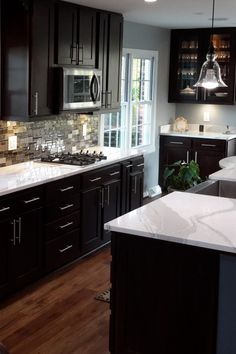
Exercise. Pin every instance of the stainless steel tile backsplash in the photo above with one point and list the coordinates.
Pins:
(62, 133)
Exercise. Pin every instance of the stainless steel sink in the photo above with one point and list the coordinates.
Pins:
(225, 189)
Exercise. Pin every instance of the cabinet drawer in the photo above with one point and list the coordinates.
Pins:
(209, 144)
(92, 179)
(60, 226)
(61, 189)
(62, 208)
(176, 141)
(111, 172)
(7, 207)
(29, 200)
(137, 164)
(61, 250)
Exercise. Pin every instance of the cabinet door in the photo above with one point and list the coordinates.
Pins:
(111, 205)
(102, 57)
(115, 40)
(87, 37)
(5, 239)
(136, 190)
(90, 219)
(26, 249)
(66, 42)
(42, 33)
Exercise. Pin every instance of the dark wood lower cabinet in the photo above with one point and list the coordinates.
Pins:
(164, 297)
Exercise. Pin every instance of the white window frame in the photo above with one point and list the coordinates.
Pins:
(126, 122)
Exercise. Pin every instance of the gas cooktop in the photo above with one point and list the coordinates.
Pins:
(78, 159)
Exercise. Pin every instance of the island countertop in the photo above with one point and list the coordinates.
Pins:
(187, 218)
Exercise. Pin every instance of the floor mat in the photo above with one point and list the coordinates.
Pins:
(103, 296)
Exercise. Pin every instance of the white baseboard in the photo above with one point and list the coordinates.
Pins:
(154, 191)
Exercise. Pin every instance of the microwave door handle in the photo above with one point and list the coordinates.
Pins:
(92, 89)
(98, 87)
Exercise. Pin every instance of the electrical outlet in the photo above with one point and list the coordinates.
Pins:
(206, 116)
(12, 142)
(84, 130)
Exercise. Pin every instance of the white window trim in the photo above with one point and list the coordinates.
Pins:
(144, 54)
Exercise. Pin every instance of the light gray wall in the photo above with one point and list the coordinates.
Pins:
(137, 36)
(219, 114)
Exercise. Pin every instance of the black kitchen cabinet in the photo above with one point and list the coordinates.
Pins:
(110, 41)
(206, 152)
(21, 239)
(62, 222)
(188, 52)
(132, 184)
(100, 202)
(27, 32)
(75, 42)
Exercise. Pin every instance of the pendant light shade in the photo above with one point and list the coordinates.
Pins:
(210, 75)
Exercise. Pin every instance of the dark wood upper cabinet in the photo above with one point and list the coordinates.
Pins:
(76, 35)
(110, 39)
(188, 52)
(27, 32)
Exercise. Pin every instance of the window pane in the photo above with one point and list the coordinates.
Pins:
(106, 121)
(135, 108)
(113, 120)
(133, 137)
(135, 90)
(136, 69)
(106, 139)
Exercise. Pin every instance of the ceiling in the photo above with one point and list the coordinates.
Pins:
(170, 13)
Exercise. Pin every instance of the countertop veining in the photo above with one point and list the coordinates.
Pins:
(191, 219)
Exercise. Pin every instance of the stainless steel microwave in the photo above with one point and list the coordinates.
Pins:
(81, 89)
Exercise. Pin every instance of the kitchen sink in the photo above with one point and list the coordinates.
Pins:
(225, 189)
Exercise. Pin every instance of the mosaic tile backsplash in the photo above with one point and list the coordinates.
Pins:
(62, 133)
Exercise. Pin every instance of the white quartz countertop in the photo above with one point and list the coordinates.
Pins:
(204, 135)
(228, 174)
(228, 162)
(29, 174)
(191, 219)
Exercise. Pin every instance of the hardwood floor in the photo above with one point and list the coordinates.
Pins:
(58, 314)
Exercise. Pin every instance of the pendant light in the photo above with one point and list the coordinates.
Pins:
(210, 75)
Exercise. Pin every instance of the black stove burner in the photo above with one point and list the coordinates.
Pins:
(78, 159)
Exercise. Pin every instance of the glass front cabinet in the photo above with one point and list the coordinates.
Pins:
(188, 52)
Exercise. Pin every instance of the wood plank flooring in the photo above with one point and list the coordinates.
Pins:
(58, 314)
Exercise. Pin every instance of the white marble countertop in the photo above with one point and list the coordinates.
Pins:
(228, 174)
(228, 162)
(29, 174)
(191, 219)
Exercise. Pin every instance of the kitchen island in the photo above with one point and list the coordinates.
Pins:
(173, 277)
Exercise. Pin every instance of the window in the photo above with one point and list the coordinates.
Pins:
(133, 127)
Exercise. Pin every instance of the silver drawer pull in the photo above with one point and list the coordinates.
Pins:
(65, 249)
(95, 179)
(66, 225)
(140, 165)
(114, 173)
(66, 189)
(5, 209)
(67, 207)
(209, 145)
(31, 200)
(176, 142)
(128, 166)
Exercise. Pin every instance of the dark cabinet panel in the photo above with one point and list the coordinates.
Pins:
(91, 218)
(188, 52)
(136, 185)
(76, 35)
(110, 56)
(28, 36)
(5, 239)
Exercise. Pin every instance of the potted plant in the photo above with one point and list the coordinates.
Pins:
(181, 175)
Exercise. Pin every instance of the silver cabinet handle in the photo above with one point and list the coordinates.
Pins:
(102, 198)
(65, 249)
(14, 232)
(195, 156)
(209, 145)
(128, 166)
(135, 184)
(36, 103)
(31, 200)
(95, 179)
(66, 189)
(67, 207)
(109, 93)
(4, 209)
(176, 142)
(19, 230)
(140, 165)
(187, 156)
(114, 173)
(66, 225)
(108, 195)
